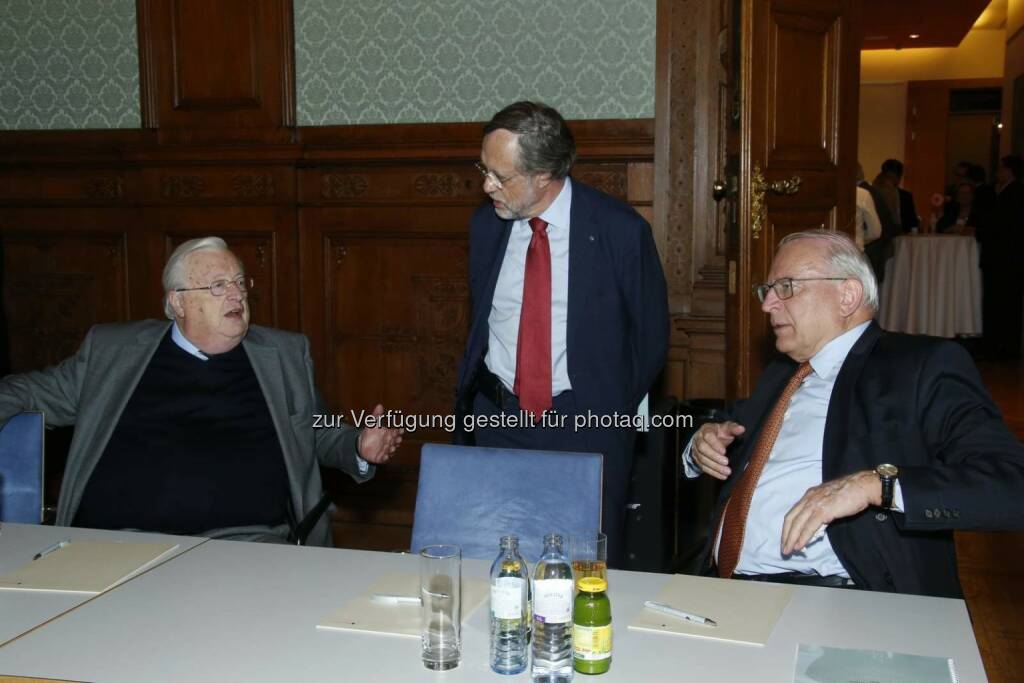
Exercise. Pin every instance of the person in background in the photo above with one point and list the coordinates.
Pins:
(892, 173)
(869, 226)
(199, 425)
(960, 216)
(879, 251)
(860, 451)
(984, 194)
(1001, 239)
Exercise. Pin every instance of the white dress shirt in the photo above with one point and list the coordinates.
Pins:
(793, 466)
(503, 320)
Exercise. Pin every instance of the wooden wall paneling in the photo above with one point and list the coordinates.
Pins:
(924, 160)
(217, 70)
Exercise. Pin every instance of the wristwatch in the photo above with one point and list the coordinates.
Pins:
(887, 474)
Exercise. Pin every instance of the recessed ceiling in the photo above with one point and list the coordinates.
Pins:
(888, 24)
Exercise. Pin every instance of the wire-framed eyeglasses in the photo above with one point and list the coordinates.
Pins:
(784, 286)
(495, 179)
(220, 287)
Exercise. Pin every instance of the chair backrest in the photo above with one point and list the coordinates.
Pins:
(473, 496)
(21, 469)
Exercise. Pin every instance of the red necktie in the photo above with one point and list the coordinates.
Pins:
(533, 352)
(738, 506)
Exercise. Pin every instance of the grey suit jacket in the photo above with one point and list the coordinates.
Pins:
(90, 390)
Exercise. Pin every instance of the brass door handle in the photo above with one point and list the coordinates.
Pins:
(758, 207)
(718, 190)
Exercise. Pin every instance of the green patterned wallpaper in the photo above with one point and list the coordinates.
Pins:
(68, 64)
(405, 61)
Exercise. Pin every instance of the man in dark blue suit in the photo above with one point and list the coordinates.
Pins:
(569, 306)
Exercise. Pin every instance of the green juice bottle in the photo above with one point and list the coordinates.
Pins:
(592, 627)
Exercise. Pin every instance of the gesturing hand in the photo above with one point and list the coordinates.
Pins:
(709, 445)
(378, 444)
(828, 501)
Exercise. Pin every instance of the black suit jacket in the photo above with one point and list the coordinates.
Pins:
(617, 329)
(918, 403)
(908, 212)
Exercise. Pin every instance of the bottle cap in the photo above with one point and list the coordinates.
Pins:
(592, 584)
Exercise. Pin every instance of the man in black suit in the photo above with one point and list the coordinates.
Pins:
(1001, 238)
(892, 170)
(888, 442)
(569, 305)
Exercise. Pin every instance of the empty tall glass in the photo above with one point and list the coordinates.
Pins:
(441, 606)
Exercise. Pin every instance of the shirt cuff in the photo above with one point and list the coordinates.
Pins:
(897, 497)
(363, 466)
(690, 468)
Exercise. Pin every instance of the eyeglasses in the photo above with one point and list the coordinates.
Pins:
(220, 287)
(784, 286)
(495, 179)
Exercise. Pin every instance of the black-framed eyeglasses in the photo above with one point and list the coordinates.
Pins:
(495, 179)
(220, 287)
(784, 286)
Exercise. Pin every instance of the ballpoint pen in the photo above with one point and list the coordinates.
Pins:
(53, 548)
(395, 599)
(672, 611)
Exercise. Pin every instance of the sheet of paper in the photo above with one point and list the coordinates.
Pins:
(817, 664)
(746, 611)
(86, 566)
(365, 614)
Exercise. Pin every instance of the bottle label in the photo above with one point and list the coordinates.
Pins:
(507, 597)
(552, 601)
(591, 643)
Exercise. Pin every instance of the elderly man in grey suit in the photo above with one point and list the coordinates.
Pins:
(204, 425)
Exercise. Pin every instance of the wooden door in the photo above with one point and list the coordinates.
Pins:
(792, 150)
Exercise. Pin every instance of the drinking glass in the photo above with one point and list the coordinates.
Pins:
(589, 554)
(441, 606)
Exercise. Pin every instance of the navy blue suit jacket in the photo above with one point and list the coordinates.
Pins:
(617, 328)
(916, 402)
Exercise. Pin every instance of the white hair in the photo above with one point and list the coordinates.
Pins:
(174, 276)
(846, 260)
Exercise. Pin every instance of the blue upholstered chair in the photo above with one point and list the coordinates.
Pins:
(21, 469)
(472, 496)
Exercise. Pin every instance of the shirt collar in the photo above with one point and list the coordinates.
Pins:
(557, 214)
(178, 338)
(827, 361)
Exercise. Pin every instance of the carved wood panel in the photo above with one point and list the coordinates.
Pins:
(56, 286)
(803, 66)
(217, 70)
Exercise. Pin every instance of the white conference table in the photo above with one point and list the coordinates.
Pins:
(226, 611)
(932, 286)
(21, 611)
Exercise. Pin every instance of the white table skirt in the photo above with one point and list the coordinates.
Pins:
(932, 286)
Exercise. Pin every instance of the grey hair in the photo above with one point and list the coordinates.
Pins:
(546, 144)
(174, 271)
(846, 260)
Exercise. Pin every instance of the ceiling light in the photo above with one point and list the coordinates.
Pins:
(915, 36)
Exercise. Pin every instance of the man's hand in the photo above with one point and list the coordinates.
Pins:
(378, 444)
(830, 500)
(709, 444)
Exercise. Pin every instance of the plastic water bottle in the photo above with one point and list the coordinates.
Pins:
(510, 580)
(552, 615)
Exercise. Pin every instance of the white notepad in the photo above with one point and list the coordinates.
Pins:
(363, 613)
(86, 566)
(746, 611)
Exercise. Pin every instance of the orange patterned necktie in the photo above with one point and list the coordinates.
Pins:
(738, 506)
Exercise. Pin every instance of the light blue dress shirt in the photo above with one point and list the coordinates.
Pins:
(503, 320)
(793, 466)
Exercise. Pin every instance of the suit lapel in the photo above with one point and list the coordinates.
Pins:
(483, 306)
(582, 239)
(837, 422)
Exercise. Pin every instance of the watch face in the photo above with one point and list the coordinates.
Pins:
(887, 470)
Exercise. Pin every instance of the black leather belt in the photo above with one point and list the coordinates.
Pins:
(796, 578)
(488, 384)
